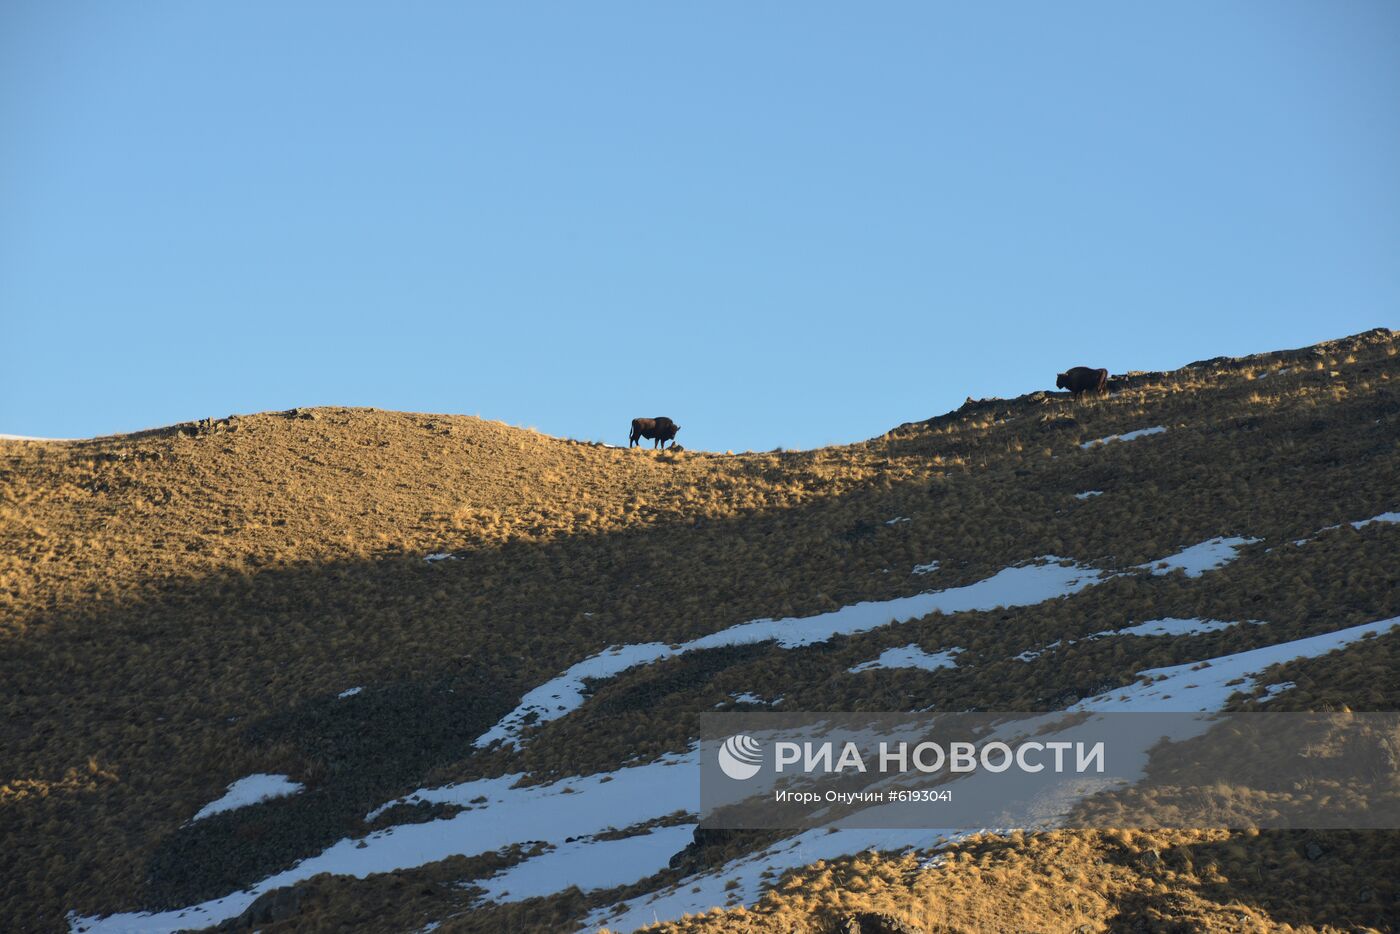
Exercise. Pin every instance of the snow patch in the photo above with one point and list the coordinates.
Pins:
(1030, 655)
(925, 568)
(1128, 436)
(1088, 493)
(589, 864)
(441, 556)
(564, 693)
(250, 790)
(1020, 585)
(910, 656)
(1196, 560)
(349, 692)
(1274, 690)
(497, 816)
(747, 697)
(1169, 626)
(1188, 688)
(1385, 517)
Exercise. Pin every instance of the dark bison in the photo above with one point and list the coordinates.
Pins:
(1081, 379)
(659, 430)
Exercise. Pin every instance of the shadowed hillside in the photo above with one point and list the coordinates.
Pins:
(185, 607)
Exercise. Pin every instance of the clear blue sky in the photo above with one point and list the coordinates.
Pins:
(779, 223)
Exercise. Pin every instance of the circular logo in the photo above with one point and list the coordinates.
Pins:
(740, 757)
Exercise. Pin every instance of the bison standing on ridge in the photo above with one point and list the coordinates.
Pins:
(660, 430)
(1081, 379)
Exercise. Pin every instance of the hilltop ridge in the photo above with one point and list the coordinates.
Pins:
(185, 606)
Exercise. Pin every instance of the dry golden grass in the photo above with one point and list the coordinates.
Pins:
(1092, 881)
(179, 608)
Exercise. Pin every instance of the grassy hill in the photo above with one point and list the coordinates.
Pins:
(184, 607)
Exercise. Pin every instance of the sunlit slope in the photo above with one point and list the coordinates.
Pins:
(185, 607)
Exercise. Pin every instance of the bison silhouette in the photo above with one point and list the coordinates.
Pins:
(658, 430)
(1081, 379)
